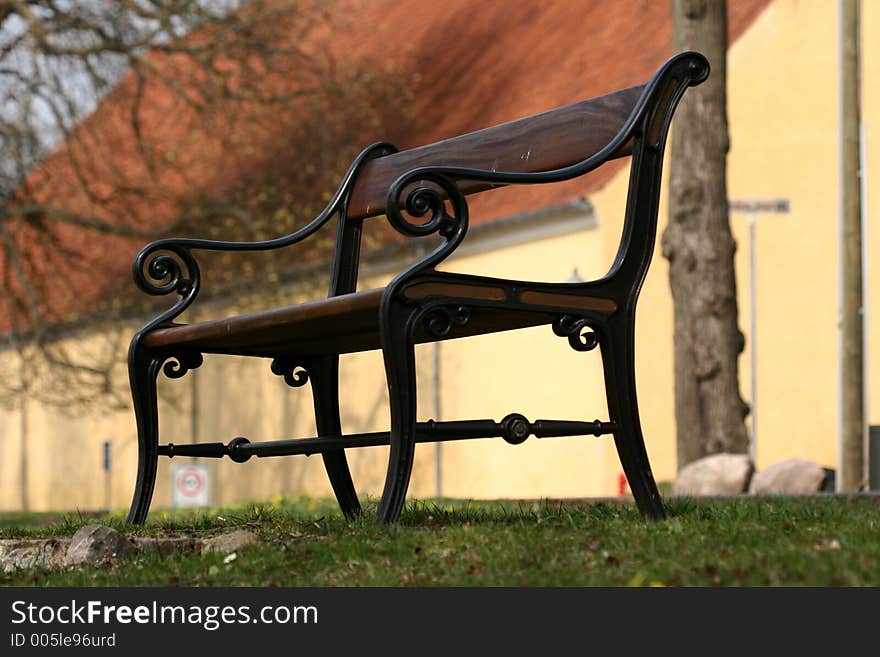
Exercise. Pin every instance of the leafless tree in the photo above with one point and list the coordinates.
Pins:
(124, 120)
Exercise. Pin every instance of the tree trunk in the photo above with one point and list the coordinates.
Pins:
(709, 411)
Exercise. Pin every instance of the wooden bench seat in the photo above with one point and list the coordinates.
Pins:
(350, 322)
(422, 192)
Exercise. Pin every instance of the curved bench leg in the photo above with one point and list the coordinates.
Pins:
(618, 360)
(143, 368)
(399, 354)
(324, 374)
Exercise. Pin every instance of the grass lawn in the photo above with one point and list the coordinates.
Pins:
(815, 541)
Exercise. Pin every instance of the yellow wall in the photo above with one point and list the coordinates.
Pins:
(871, 122)
(532, 372)
(797, 260)
(783, 112)
(785, 119)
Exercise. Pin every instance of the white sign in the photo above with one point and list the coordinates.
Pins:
(759, 205)
(190, 485)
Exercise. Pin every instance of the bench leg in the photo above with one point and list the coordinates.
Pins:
(143, 368)
(618, 360)
(324, 375)
(399, 354)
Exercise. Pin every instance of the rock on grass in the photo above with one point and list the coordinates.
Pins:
(230, 542)
(48, 553)
(718, 474)
(96, 544)
(789, 477)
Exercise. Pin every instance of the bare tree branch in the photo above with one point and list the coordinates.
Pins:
(122, 120)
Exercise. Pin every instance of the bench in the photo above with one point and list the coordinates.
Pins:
(422, 192)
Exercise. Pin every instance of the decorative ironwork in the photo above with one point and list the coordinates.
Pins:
(179, 364)
(440, 321)
(171, 268)
(233, 451)
(578, 331)
(513, 428)
(168, 265)
(423, 200)
(294, 370)
(208, 450)
(432, 191)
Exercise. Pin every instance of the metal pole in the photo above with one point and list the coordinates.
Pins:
(23, 462)
(438, 447)
(753, 336)
(866, 379)
(193, 408)
(106, 467)
(752, 209)
(852, 474)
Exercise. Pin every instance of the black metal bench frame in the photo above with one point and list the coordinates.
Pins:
(422, 304)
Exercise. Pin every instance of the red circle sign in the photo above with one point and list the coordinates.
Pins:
(190, 482)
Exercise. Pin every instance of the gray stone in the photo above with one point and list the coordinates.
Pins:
(165, 546)
(718, 474)
(93, 544)
(42, 553)
(229, 542)
(96, 544)
(789, 477)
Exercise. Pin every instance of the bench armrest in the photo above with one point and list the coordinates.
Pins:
(168, 265)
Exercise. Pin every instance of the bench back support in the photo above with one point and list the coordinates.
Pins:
(571, 141)
(543, 142)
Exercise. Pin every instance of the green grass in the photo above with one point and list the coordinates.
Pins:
(816, 541)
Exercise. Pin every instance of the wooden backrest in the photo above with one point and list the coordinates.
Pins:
(556, 145)
(542, 142)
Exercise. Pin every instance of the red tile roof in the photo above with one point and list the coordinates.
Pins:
(473, 64)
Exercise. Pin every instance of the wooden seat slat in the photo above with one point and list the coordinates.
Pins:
(347, 314)
(344, 324)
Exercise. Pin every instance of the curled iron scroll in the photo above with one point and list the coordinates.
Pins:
(179, 364)
(578, 331)
(294, 371)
